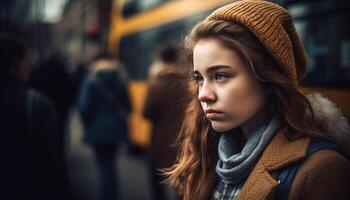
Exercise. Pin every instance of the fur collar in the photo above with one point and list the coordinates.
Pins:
(330, 119)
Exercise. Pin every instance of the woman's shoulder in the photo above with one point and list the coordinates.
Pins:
(324, 175)
(327, 158)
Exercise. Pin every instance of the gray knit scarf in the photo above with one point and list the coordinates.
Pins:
(233, 167)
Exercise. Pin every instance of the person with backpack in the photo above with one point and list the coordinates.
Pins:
(249, 132)
(30, 149)
(104, 106)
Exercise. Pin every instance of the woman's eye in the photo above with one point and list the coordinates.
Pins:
(220, 76)
(197, 78)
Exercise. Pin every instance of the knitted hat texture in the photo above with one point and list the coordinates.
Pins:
(273, 26)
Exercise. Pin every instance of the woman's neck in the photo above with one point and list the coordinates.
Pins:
(261, 118)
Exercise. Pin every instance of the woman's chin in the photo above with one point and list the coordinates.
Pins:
(221, 128)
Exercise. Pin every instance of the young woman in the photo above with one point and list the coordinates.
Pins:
(248, 120)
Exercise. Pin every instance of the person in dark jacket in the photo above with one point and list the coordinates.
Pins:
(52, 79)
(164, 106)
(104, 106)
(29, 150)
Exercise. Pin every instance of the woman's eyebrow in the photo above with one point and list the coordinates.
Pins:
(217, 67)
(212, 69)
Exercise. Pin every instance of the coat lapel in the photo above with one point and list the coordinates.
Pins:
(279, 153)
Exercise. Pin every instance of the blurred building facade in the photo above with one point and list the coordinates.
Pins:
(82, 31)
(78, 28)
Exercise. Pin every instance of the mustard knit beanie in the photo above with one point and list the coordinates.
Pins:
(273, 26)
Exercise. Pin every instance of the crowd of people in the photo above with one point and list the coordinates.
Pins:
(35, 106)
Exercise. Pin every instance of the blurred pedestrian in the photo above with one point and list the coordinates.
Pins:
(164, 106)
(249, 133)
(51, 78)
(30, 150)
(104, 106)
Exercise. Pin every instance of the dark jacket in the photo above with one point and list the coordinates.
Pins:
(51, 79)
(30, 150)
(104, 105)
(165, 106)
(323, 176)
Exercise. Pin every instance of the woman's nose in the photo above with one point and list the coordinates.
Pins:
(206, 93)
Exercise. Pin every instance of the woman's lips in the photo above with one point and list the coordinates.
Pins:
(214, 115)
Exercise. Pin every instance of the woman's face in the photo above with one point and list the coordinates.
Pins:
(229, 94)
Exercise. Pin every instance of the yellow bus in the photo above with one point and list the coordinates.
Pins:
(138, 28)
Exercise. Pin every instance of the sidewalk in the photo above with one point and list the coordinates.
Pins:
(132, 171)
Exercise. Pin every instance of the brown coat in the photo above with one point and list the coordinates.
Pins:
(164, 107)
(324, 176)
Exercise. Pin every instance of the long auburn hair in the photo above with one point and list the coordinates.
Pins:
(198, 141)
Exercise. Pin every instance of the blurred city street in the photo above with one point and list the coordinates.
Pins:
(127, 72)
(132, 171)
